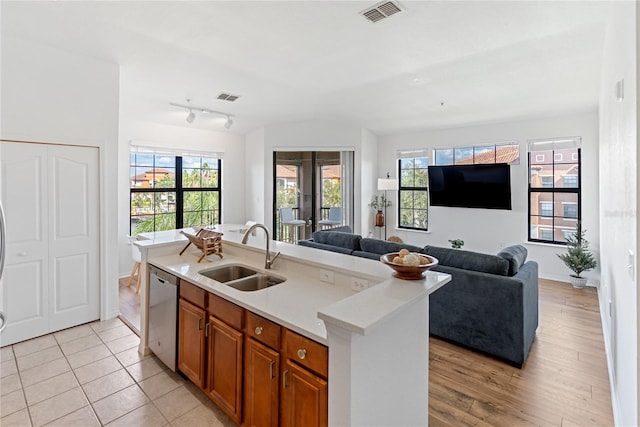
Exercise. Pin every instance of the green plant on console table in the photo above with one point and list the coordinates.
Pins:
(578, 257)
(379, 203)
(456, 243)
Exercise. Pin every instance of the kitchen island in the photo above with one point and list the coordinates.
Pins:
(377, 337)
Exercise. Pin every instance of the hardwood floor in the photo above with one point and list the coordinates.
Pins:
(129, 304)
(564, 382)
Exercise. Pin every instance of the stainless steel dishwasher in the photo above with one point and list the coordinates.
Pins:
(163, 306)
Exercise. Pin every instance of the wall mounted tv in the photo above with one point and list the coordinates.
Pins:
(485, 186)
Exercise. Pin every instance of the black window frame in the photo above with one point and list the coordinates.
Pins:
(553, 190)
(179, 189)
(413, 188)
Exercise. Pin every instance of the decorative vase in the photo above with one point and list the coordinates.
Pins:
(577, 282)
(379, 219)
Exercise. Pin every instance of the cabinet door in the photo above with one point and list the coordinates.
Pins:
(224, 384)
(191, 342)
(261, 369)
(304, 398)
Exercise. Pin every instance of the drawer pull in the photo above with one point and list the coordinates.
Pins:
(302, 353)
(259, 330)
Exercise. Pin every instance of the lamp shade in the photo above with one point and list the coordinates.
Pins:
(387, 184)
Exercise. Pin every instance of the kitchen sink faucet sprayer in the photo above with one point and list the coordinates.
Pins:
(268, 261)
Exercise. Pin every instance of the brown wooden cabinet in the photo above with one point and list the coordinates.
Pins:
(224, 380)
(261, 392)
(191, 342)
(305, 394)
(304, 397)
(257, 372)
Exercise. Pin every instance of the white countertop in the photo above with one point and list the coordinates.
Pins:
(302, 303)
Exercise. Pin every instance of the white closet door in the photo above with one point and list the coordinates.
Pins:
(73, 236)
(50, 197)
(25, 282)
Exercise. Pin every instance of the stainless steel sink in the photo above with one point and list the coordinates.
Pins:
(242, 278)
(228, 273)
(255, 283)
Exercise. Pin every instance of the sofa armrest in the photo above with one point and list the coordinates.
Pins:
(491, 313)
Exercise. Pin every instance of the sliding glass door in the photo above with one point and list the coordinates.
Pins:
(312, 190)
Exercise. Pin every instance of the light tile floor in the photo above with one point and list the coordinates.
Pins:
(93, 375)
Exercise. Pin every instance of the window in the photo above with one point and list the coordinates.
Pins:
(546, 209)
(413, 193)
(554, 189)
(546, 181)
(570, 181)
(169, 191)
(496, 153)
(546, 234)
(570, 210)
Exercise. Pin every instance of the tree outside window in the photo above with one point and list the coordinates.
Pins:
(413, 193)
(169, 192)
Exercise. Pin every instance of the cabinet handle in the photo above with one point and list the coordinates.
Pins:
(302, 353)
(271, 365)
(284, 378)
(200, 324)
(206, 329)
(259, 330)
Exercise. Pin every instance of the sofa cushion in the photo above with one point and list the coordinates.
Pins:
(337, 238)
(368, 255)
(381, 247)
(468, 260)
(516, 255)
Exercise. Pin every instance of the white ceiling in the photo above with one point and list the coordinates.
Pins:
(437, 64)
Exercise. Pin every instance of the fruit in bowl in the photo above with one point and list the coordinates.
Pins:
(407, 265)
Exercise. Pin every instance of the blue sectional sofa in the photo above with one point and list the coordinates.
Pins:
(490, 305)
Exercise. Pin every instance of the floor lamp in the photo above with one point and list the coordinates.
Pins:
(385, 184)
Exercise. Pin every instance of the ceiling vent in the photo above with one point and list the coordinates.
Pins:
(381, 11)
(226, 97)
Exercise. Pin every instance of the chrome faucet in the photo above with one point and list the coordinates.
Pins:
(268, 261)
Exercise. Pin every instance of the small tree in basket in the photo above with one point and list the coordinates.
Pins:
(578, 257)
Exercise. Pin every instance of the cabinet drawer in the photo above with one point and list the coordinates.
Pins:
(263, 330)
(306, 352)
(226, 311)
(193, 293)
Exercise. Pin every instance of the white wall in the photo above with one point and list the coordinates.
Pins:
(53, 96)
(166, 136)
(488, 230)
(309, 136)
(618, 210)
(369, 171)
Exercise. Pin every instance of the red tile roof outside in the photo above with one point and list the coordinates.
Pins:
(505, 154)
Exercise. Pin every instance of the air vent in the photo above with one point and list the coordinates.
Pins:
(381, 11)
(227, 97)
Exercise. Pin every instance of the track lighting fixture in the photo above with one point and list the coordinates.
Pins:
(192, 115)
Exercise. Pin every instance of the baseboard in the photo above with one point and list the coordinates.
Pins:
(565, 279)
(617, 415)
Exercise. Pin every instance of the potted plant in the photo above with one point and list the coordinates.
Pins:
(456, 243)
(379, 203)
(578, 257)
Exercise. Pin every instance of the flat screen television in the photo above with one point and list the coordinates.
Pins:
(486, 186)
